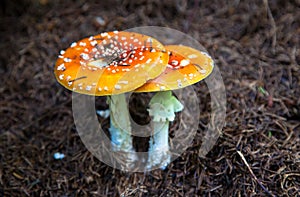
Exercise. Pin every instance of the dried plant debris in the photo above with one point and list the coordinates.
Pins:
(256, 47)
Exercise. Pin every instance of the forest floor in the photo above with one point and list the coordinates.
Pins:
(255, 45)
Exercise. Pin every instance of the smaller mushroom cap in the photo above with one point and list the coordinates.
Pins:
(110, 63)
(186, 66)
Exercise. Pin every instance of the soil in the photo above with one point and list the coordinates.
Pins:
(256, 46)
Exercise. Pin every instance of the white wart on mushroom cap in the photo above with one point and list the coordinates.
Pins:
(110, 63)
(186, 66)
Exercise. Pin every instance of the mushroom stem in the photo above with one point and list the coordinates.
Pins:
(158, 154)
(163, 106)
(120, 127)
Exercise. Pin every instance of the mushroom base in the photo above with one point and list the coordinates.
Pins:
(158, 154)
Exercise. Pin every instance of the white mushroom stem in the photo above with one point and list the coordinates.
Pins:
(120, 127)
(163, 106)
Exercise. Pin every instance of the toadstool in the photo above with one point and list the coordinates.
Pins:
(186, 66)
(111, 64)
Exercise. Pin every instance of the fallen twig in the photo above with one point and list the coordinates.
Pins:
(255, 178)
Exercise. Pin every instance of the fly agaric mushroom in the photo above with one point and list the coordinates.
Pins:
(111, 64)
(186, 66)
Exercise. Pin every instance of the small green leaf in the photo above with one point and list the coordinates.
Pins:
(263, 91)
(270, 134)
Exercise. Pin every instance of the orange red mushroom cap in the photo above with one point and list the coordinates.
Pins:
(186, 66)
(118, 62)
(110, 63)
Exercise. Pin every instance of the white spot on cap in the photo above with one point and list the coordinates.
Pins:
(203, 71)
(62, 52)
(192, 56)
(184, 62)
(148, 61)
(105, 88)
(68, 78)
(174, 62)
(85, 56)
(206, 54)
(82, 63)
(61, 77)
(169, 66)
(117, 87)
(162, 87)
(67, 59)
(61, 67)
(124, 55)
(99, 89)
(100, 63)
(83, 44)
(93, 43)
(191, 75)
(179, 83)
(123, 82)
(88, 88)
(104, 34)
(74, 44)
